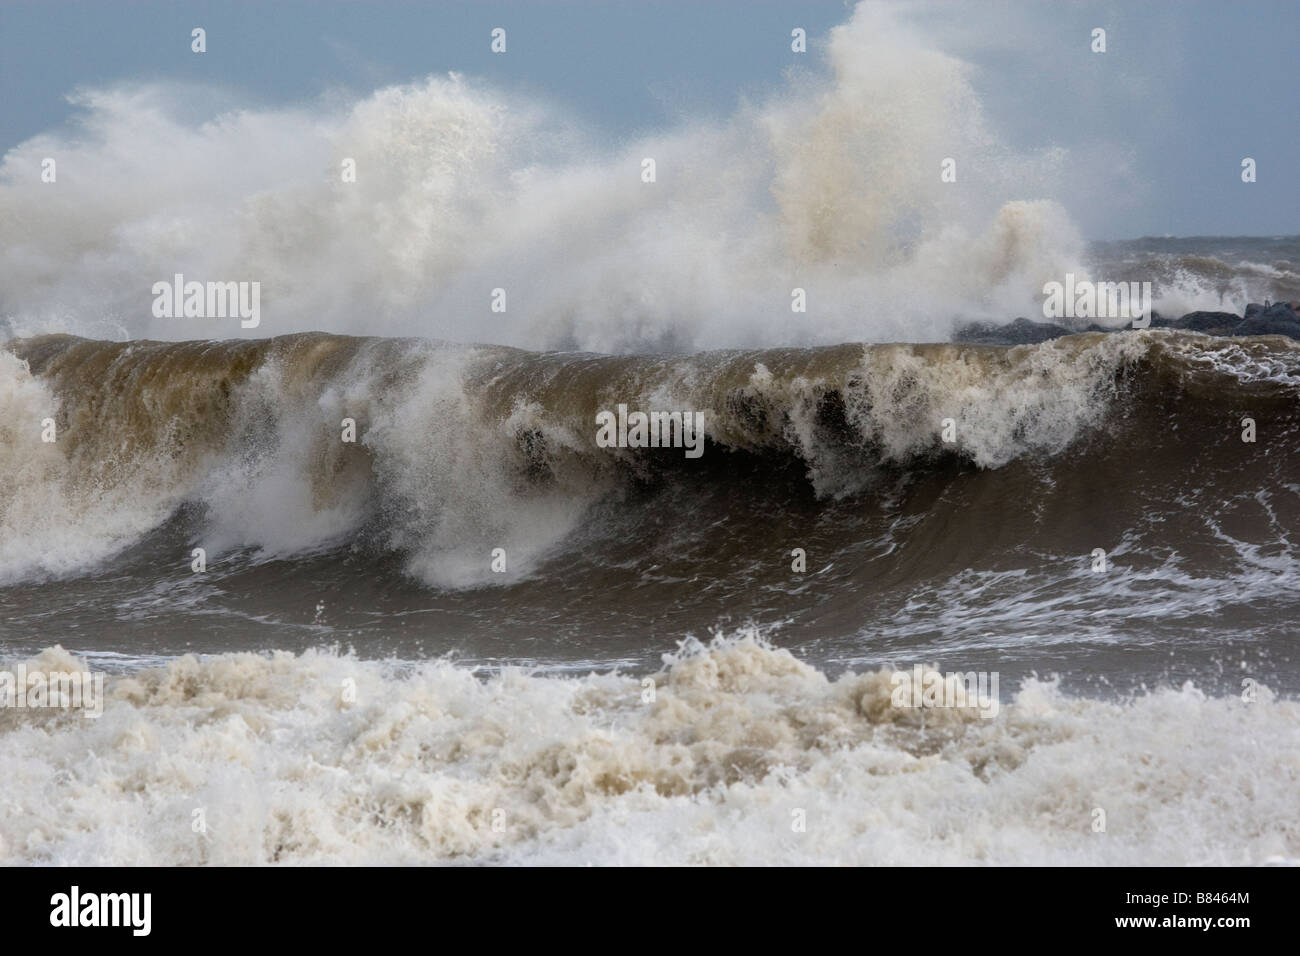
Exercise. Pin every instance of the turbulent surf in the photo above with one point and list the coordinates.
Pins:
(380, 568)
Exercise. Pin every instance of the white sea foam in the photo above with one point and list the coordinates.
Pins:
(582, 770)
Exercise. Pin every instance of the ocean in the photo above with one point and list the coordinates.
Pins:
(521, 690)
(366, 589)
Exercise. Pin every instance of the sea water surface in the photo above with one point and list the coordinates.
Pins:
(675, 660)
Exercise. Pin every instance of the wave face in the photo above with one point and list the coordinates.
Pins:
(1127, 442)
(465, 449)
(433, 764)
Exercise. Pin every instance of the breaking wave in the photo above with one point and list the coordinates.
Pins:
(462, 450)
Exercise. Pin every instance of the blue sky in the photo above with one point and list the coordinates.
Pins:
(1162, 119)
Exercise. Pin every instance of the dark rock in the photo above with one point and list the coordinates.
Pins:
(1214, 323)
(1020, 332)
(1278, 319)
